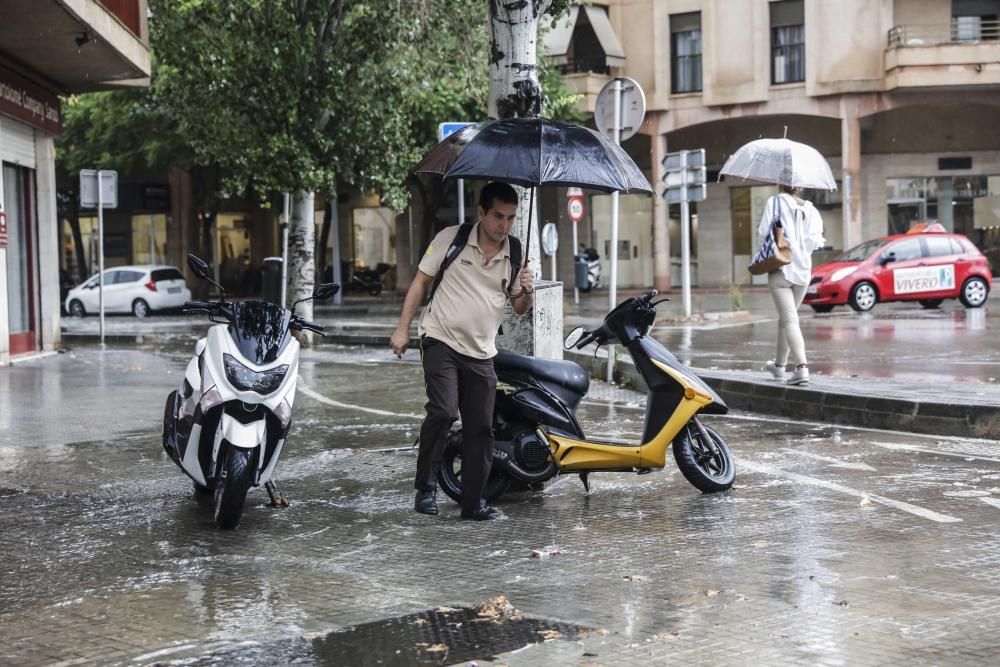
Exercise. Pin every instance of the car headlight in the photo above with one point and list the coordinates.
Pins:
(840, 274)
(246, 379)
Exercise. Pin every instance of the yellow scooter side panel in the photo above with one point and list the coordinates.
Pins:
(572, 454)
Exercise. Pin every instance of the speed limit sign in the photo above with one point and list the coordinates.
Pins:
(575, 209)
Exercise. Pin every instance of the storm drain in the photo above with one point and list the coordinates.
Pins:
(444, 636)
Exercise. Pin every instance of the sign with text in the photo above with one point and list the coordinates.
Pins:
(924, 279)
(574, 207)
(29, 102)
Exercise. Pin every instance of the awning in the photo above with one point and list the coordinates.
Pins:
(557, 40)
(606, 36)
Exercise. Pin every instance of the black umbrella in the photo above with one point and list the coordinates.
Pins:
(534, 151)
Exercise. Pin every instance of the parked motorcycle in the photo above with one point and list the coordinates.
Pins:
(538, 435)
(592, 259)
(226, 424)
(368, 280)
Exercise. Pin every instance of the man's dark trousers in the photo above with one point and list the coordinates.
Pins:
(457, 384)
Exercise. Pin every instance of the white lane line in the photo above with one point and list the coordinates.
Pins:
(991, 501)
(834, 463)
(912, 448)
(812, 481)
(337, 404)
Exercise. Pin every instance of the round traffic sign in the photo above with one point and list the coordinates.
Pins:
(574, 207)
(550, 239)
(632, 110)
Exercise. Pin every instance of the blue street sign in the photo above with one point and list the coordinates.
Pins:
(446, 129)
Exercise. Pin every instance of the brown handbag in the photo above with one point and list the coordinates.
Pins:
(775, 252)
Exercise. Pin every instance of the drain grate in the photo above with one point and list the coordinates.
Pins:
(443, 636)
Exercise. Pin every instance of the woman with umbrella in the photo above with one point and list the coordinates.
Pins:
(790, 230)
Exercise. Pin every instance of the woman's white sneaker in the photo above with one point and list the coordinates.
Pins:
(799, 376)
(777, 372)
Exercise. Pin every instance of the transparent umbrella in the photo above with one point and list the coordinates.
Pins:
(780, 162)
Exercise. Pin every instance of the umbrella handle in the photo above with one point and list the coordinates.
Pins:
(527, 245)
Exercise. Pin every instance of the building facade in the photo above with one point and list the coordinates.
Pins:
(49, 48)
(898, 95)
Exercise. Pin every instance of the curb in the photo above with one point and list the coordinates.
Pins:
(813, 404)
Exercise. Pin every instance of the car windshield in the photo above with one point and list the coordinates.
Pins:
(860, 253)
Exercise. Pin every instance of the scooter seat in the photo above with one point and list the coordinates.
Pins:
(567, 375)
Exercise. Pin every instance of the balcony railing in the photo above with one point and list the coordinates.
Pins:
(962, 30)
(126, 11)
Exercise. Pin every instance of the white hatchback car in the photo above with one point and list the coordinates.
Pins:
(135, 289)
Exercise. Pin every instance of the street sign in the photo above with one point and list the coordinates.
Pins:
(675, 179)
(447, 129)
(550, 239)
(88, 188)
(695, 158)
(632, 108)
(574, 207)
(574, 192)
(694, 193)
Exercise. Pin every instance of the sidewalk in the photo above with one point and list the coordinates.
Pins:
(898, 367)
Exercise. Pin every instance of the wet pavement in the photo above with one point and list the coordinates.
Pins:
(836, 546)
(933, 371)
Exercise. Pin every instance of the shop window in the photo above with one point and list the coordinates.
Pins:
(788, 42)
(685, 53)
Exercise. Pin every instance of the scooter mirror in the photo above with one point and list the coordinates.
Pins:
(198, 266)
(326, 290)
(573, 338)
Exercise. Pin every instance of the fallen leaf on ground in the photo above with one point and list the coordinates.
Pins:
(633, 577)
(667, 634)
(550, 634)
(498, 609)
(709, 592)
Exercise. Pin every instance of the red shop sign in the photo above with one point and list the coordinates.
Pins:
(3, 229)
(29, 102)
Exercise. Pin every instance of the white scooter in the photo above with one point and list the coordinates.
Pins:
(226, 424)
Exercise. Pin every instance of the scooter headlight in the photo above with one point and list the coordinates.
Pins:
(246, 379)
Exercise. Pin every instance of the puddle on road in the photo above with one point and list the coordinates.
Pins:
(443, 636)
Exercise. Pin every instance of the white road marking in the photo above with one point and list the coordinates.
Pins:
(912, 448)
(991, 501)
(833, 486)
(337, 404)
(834, 463)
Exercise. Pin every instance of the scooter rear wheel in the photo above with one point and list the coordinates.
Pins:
(231, 490)
(450, 473)
(707, 470)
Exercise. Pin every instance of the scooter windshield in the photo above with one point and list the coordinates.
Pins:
(260, 330)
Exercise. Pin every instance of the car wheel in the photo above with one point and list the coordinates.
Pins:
(140, 308)
(930, 303)
(822, 307)
(863, 297)
(974, 293)
(76, 308)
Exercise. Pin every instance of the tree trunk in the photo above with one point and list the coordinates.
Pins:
(514, 91)
(301, 264)
(324, 240)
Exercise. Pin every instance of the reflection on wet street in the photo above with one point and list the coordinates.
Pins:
(836, 546)
(904, 341)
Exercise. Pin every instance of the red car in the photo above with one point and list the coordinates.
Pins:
(926, 268)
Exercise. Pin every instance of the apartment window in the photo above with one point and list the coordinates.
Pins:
(685, 53)
(788, 42)
(974, 20)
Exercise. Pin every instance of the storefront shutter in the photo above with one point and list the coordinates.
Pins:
(17, 143)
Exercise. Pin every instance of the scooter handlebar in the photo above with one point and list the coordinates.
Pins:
(196, 306)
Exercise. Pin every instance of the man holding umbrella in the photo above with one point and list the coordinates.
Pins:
(457, 340)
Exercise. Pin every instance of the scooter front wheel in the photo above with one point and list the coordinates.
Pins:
(450, 472)
(231, 490)
(708, 466)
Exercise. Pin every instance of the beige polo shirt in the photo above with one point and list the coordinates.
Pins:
(466, 310)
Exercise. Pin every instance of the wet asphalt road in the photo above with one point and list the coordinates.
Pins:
(837, 546)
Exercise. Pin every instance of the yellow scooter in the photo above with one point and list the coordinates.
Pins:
(537, 435)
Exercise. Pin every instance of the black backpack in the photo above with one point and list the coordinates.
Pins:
(461, 239)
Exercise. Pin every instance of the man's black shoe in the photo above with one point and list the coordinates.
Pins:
(426, 502)
(484, 513)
